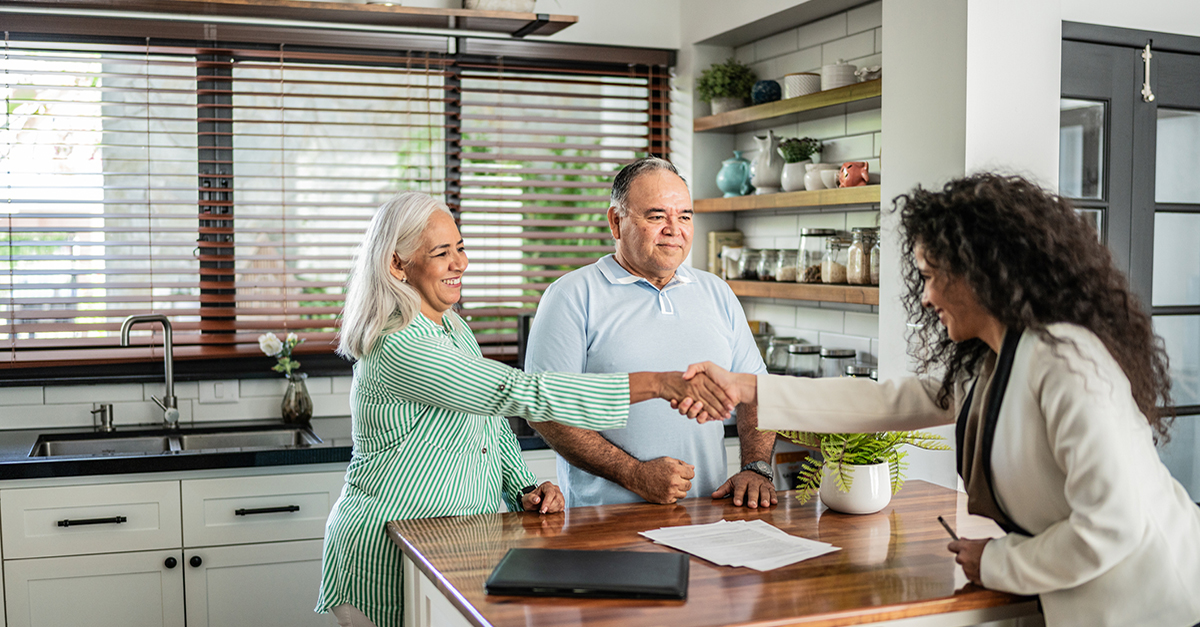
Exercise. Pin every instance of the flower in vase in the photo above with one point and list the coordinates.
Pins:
(281, 350)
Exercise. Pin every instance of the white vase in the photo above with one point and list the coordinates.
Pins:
(725, 104)
(870, 489)
(792, 178)
(812, 177)
(767, 168)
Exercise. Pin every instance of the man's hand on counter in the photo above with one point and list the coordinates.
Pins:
(750, 488)
(662, 480)
(545, 499)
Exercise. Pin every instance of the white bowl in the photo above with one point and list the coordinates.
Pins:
(801, 84)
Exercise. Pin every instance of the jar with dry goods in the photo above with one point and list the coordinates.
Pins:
(812, 249)
(835, 360)
(748, 265)
(859, 371)
(804, 360)
(875, 252)
(785, 270)
(768, 262)
(833, 264)
(858, 260)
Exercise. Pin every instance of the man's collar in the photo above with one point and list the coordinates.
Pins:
(618, 275)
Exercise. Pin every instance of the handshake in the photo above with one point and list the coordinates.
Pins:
(707, 391)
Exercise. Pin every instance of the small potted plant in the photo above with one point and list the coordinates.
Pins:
(852, 468)
(726, 85)
(797, 152)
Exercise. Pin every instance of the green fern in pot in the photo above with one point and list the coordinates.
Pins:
(841, 451)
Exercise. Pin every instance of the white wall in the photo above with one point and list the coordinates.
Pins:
(925, 120)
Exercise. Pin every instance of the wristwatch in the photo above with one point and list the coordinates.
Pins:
(762, 468)
(526, 490)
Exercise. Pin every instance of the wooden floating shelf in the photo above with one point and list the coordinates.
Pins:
(854, 294)
(736, 119)
(861, 195)
(516, 24)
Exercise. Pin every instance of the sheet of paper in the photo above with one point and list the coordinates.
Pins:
(753, 544)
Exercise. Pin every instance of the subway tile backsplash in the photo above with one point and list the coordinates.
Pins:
(42, 407)
(854, 36)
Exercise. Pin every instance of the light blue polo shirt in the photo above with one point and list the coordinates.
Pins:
(601, 318)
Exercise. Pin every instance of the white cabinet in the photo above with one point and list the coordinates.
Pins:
(242, 550)
(255, 584)
(118, 589)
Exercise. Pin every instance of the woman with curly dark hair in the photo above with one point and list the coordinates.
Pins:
(1030, 340)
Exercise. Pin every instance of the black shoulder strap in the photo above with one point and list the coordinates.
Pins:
(960, 428)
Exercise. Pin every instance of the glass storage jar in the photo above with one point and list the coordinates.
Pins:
(762, 341)
(875, 252)
(785, 270)
(767, 262)
(833, 264)
(858, 262)
(777, 354)
(858, 371)
(835, 360)
(804, 360)
(812, 250)
(748, 265)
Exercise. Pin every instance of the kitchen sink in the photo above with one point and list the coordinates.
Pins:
(274, 438)
(164, 443)
(145, 445)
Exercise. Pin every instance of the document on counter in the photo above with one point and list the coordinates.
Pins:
(750, 543)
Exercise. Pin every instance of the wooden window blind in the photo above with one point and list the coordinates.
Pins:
(227, 185)
(537, 150)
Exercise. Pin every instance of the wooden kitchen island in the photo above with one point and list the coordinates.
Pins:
(892, 566)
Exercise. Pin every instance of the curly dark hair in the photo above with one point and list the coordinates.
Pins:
(1032, 261)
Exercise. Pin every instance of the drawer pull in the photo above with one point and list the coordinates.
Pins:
(115, 520)
(267, 510)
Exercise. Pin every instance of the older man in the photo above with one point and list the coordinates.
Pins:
(641, 309)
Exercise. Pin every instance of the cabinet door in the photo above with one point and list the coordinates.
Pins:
(76, 520)
(267, 508)
(141, 589)
(255, 584)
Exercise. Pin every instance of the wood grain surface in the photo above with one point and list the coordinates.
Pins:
(893, 564)
(862, 294)
(838, 196)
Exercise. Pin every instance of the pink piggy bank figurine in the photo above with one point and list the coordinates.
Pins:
(852, 174)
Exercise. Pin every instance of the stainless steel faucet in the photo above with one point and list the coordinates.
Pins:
(168, 403)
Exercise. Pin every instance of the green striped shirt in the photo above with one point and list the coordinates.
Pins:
(430, 439)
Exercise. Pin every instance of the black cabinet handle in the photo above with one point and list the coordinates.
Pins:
(170, 562)
(267, 510)
(195, 561)
(115, 520)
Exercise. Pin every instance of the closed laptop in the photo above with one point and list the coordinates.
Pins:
(595, 574)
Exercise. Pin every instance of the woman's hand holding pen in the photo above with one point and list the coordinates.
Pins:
(968, 553)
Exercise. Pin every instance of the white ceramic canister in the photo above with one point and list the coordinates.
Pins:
(837, 75)
(801, 84)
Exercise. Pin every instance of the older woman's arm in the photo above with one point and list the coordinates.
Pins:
(430, 369)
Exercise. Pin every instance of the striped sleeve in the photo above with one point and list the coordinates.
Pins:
(430, 369)
(514, 474)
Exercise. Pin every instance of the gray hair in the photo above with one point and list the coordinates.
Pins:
(377, 302)
(628, 174)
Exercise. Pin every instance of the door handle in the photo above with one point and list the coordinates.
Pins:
(115, 520)
(266, 510)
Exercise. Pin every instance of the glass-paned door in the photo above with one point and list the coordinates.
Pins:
(1137, 164)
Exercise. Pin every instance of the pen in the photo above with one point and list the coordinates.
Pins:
(953, 536)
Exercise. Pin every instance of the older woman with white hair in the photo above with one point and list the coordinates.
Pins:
(430, 437)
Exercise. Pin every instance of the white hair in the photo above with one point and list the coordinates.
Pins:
(377, 302)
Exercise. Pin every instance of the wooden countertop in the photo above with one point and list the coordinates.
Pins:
(893, 564)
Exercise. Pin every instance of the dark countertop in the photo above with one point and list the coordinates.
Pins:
(15, 445)
(335, 446)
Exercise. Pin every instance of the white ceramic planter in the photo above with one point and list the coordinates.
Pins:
(870, 490)
(726, 104)
(792, 178)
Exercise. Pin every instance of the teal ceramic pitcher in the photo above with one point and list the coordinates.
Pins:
(734, 177)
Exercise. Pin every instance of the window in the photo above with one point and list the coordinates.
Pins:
(227, 185)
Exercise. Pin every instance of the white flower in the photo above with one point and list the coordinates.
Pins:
(292, 339)
(270, 344)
